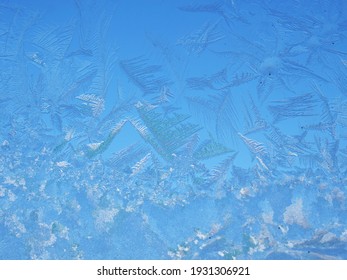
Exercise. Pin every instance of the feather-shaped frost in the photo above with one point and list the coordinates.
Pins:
(209, 149)
(146, 77)
(255, 147)
(96, 103)
(300, 106)
(100, 147)
(164, 134)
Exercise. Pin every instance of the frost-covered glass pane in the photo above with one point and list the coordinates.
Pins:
(173, 129)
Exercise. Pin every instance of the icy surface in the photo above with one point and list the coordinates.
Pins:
(173, 129)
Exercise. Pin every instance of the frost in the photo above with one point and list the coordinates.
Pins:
(294, 214)
(15, 225)
(2, 191)
(224, 140)
(96, 103)
(328, 237)
(63, 164)
(104, 218)
(94, 146)
(268, 217)
(69, 135)
(11, 196)
(344, 236)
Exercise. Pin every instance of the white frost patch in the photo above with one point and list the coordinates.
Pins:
(104, 218)
(69, 135)
(294, 214)
(283, 229)
(268, 217)
(343, 236)
(95, 102)
(244, 192)
(22, 182)
(10, 181)
(50, 242)
(335, 194)
(2, 191)
(222, 253)
(15, 182)
(5, 143)
(94, 146)
(11, 196)
(62, 163)
(328, 237)
(200, 235)
(15, 226)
